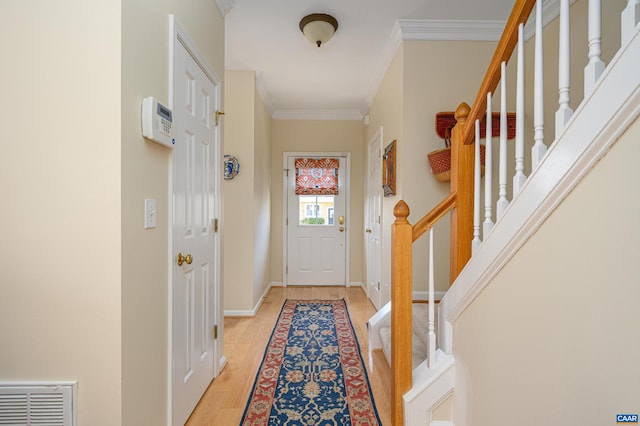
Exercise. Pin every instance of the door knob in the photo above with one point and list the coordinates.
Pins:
(341, 229)
(368, 231)
(184, 259)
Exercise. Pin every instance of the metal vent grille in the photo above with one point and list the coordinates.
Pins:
(37, 405)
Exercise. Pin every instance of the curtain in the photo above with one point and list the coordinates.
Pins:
(317, 176)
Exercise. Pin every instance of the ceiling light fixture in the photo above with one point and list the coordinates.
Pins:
(318, 28)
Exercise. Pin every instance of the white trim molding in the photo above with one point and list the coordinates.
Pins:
(312, 114)
(247, 312)
(449, 30)
(225, 6)
(430, 30)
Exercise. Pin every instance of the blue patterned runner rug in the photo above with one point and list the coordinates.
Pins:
(312, 372)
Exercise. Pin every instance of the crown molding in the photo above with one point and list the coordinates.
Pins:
(430, 30)
(224, 6)
(263, 92)
(449, 29)
(314, 114)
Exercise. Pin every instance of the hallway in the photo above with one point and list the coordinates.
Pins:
(245, 341)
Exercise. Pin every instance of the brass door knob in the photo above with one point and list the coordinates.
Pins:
(184, 259)
(341, 229)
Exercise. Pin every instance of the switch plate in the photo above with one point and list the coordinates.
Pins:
(149, 213)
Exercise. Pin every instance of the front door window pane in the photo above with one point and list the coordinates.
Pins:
(316, 209)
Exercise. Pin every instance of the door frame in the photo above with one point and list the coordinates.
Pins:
(377, 137)
(285, 203)
(178, 36)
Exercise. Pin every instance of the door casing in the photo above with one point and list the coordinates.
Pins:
(285, 156)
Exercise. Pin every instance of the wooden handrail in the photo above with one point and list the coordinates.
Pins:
(428, 220)
(519, 14)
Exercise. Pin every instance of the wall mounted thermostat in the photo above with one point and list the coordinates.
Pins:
(157, 121)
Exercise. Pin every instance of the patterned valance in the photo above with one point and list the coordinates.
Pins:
(317, 176)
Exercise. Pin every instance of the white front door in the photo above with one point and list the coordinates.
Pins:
(372, 221)
(195, 269)
(316, 227)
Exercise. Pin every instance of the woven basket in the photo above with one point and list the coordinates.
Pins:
(440, 162)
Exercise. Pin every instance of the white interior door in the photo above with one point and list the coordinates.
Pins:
(316, 227)
(196, 260)
(373, 218)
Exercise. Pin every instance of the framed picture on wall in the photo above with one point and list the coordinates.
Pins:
(389, 170)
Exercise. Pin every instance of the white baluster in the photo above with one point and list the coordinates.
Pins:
(519, 179)
(488, 171)
(595, 67)
(503, 203)
(629, 20)
(564, 112)
(476, 192)
(431, 336)
(539, 148)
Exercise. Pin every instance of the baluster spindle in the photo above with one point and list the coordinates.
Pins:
(488, 172)
(503, 203)
(595, 67)
(539, 148)
(629, 20)
(564, 112)
(519, 179)
(476, 192)
(431, 336)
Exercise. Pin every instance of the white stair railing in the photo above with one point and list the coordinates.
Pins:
(431, 336)
(630, 22)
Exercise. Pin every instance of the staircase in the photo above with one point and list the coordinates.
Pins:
(428, 385)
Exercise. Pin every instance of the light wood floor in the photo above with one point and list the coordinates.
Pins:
(246, 338)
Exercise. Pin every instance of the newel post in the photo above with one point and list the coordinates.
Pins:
(462, 158)
(401, 298)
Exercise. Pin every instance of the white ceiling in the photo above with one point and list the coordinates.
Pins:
(339, 78)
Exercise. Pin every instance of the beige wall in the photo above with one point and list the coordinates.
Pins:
(145, 174)
(386, 113)
(318, 136)
(555, 333)
(262, 199)
(423, 79)
(438, 76)
(60, 249)
(239, 124)
(247, 196)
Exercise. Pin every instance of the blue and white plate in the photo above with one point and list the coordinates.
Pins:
(231, 166)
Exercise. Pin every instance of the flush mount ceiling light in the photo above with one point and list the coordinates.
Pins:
(318, 28)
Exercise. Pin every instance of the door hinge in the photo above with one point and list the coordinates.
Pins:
(287, 172)
(218, 114)
(287, 221)
(215, 225)
(215, 331)
(379, 220)
(286, 270)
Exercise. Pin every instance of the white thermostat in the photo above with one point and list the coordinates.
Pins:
(157, 121)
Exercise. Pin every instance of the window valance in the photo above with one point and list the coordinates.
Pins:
(317, 176)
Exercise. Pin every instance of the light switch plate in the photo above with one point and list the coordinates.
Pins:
(149, 213)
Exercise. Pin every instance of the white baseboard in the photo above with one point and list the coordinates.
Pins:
(357, 284)
(248, 313)
(277, 284)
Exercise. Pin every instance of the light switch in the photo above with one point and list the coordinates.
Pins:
(149, 213)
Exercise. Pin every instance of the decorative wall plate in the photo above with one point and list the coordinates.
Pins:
(231, 166)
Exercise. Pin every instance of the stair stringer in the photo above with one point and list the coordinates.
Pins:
(431, 387)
